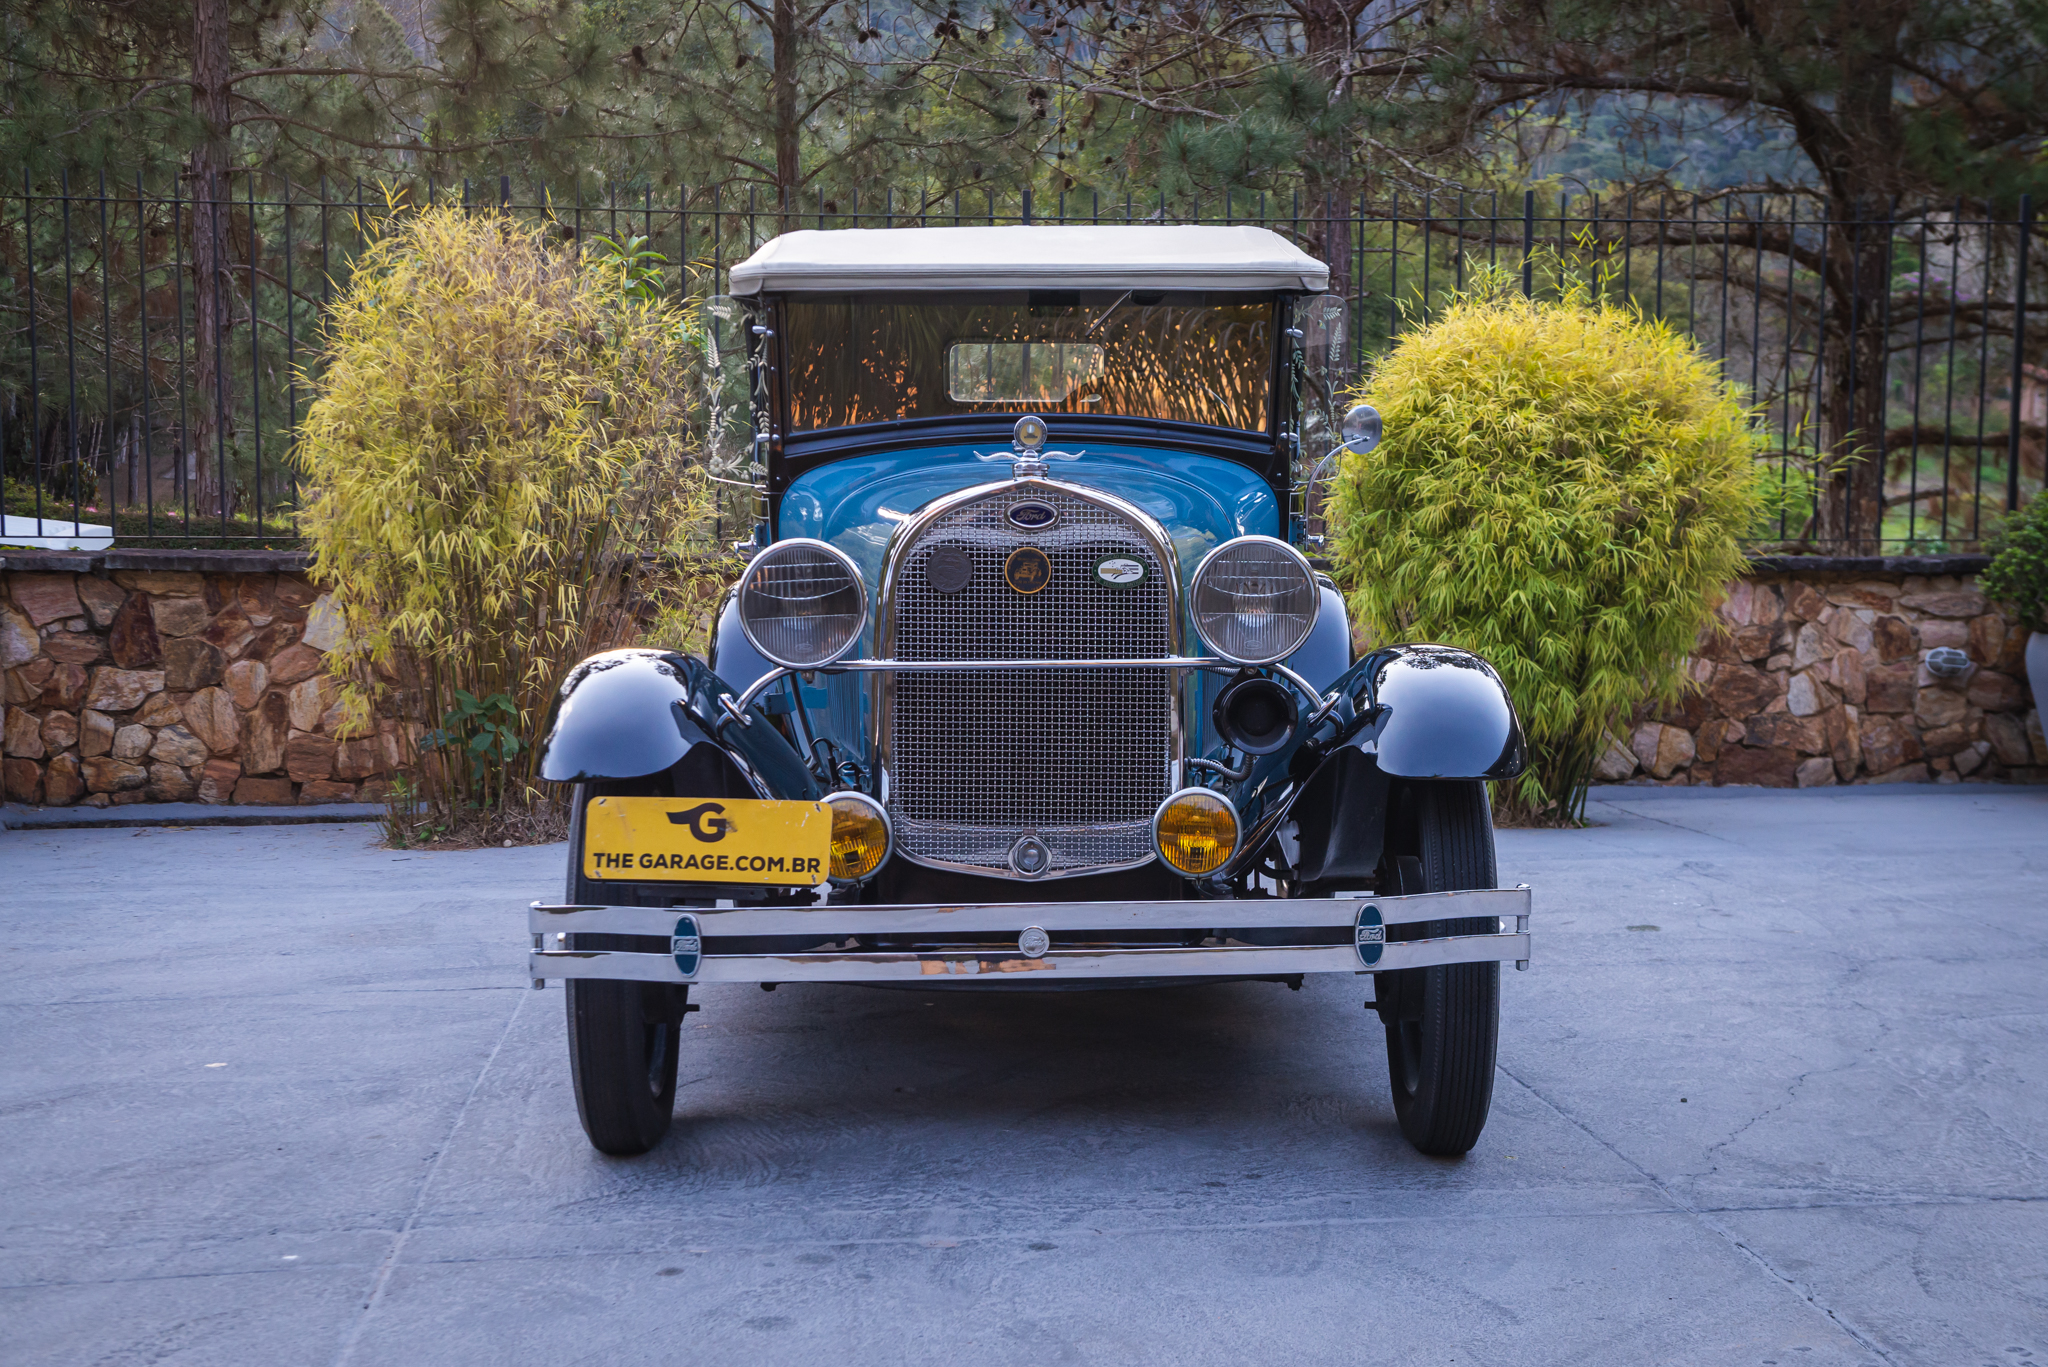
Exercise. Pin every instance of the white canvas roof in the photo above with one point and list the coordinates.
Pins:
(1064, 257)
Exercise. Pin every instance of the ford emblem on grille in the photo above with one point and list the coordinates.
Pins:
(1033, 516)
(1027, 570)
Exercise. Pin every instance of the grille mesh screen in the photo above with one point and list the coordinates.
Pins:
(1078, 758)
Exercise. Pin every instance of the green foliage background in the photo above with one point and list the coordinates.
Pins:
(1560, 489)
(2019, 569)
(502, 479)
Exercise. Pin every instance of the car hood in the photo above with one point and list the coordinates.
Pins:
(857, 503)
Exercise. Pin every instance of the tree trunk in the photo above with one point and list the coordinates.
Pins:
(210, 205)
(1332, 178)
(782, 94)
(1852, 494)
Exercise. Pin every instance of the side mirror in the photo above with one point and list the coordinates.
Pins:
(1361, 428)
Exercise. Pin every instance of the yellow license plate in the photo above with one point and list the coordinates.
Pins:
(723, 840)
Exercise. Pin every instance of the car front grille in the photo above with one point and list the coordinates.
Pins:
(1078, 758)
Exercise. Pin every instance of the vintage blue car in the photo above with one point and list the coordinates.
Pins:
(1028, 683)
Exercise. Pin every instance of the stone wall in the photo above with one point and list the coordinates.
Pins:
(128, 682)
(1821, 678)
(196, 676)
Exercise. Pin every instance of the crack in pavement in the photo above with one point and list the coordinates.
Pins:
(390, 1263)
(1674, 825)
(1702, 1216)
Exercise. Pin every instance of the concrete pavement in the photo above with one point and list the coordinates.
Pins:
(1774, 1092)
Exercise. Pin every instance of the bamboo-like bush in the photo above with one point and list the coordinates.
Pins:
(1560, 488)
(502, 479)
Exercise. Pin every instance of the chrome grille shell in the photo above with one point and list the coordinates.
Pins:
(975, 761)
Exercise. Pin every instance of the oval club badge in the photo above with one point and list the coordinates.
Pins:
(1120, 571)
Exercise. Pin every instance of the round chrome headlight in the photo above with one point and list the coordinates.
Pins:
(802, 603)
(1255, 600)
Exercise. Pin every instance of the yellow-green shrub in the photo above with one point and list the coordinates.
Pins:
(1560, 488)
(501, 478)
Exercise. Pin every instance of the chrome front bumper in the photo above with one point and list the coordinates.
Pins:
(687, 929)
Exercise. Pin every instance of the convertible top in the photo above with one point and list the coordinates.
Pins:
(1030, 258)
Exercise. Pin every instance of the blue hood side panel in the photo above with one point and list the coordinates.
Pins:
(857, 504)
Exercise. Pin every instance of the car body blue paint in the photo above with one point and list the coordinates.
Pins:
(857, 503)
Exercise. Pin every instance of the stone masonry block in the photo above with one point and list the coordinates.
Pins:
(217, 780)
(63, 781)
(23, 734)
(95, 733)
(23, 780)
(307, 758)
(122, 690)
(132, 742)
(102, 598)
(264, 792)
(180, 616)
(60, 731)
(46, 598)
(246, 680)
(19, 640)
(75, 647)
(133, 639)
(191, 664)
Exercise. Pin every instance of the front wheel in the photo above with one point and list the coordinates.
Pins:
(1442, 1023)
(622, 1057)
(622, 1035)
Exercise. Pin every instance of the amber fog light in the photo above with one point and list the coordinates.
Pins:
(860, 836)
(1195, 831)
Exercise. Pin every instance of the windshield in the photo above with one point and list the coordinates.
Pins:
(1183, 357)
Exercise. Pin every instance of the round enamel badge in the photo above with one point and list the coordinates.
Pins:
(1027, 570)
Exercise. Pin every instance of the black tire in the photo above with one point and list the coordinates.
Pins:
(1443, 1023)
(623, 1039)
(622, 1056)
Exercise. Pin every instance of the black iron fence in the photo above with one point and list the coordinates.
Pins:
(158, 336)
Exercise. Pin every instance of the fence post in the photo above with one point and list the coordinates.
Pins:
(1528, 242)
(1027, 206)
(2019, 353)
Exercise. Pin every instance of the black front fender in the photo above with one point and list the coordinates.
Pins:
(630, 713)
(1427, 711)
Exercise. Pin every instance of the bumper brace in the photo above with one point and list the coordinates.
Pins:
(1365, 916)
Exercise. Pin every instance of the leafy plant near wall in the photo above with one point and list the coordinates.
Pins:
(502, 479)
(1561, 488)
(2018, 573)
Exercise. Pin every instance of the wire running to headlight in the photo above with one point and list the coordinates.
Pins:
(1255, 600)
(802, 603)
